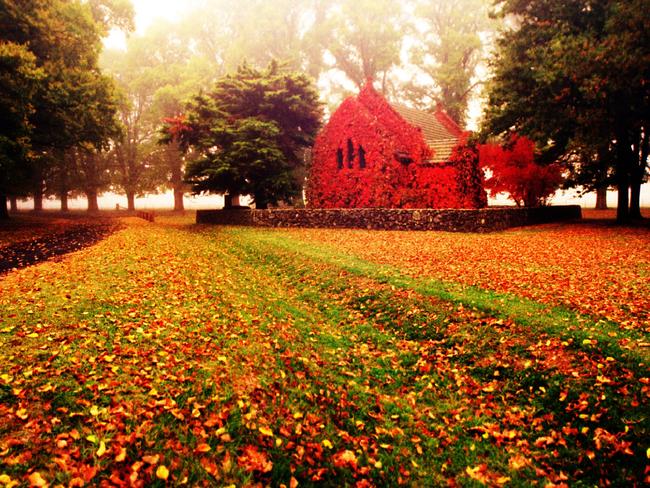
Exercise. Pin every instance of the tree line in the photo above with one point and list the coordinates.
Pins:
(569, 75)
(128, 93)
(573, 76)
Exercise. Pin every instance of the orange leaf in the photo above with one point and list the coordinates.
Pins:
(254, 460)
(203, 447)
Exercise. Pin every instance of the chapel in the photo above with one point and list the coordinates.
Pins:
(375, 154)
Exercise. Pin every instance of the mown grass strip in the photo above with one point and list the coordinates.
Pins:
(539, 389)
(558, 321)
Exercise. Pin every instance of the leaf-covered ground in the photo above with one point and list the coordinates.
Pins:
(26, 239)
(180, 354)
(592, 268)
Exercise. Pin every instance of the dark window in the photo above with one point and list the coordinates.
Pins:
(339, 158)
(403, 157)
(350, 153)
(362, 157)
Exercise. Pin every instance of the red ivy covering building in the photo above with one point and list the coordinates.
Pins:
(373, 154)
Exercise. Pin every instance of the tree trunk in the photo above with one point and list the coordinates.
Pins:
(93, 205)
(622, 208)
(175, 162)
(227, 201)
(38, 196)
(13, 200)
(261, 202)
(624, 156)
(64, 201)
(601, 198)
(179, 206)
(130, 200)
(635, 199)
(638, 174)
(4, 211)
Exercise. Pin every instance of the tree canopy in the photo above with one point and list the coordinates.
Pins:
(55, 92)
(249, 133)
(448, 52)
(572, 75)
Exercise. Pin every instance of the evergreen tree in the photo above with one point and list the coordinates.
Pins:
(249, 134)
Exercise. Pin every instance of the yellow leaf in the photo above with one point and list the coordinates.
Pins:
(162, 472)
(647, 453)
(102, 449)
(266, 431)
(327, 444)
(92, 438)
(7, 482)
(33, 335)
(35, 479)
(297, 415)
(22, 414)
(378, 465)
(121, 456)
(153, 392)
(6, 378)
(94, 411)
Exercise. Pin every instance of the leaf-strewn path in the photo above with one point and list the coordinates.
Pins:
(183, 354)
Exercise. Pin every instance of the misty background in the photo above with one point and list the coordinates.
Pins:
(420, 53)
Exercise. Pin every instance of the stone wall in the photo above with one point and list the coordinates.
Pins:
(484, 220)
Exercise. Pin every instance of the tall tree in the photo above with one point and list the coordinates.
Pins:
(156, 75)
(449, 46)
(226, 32)
(362, 38)
(249, 134)
(19, 77)
(573, 72)
(65, 38)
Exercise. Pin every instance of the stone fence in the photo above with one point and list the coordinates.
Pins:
(483, 220)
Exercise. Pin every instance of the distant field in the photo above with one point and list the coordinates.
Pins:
(205, 355)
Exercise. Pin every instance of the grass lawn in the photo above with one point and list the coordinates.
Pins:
(172, 353)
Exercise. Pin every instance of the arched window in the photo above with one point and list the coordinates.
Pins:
(350, 153)
(362, 157)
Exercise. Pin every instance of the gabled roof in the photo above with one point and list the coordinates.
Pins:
(440, 132)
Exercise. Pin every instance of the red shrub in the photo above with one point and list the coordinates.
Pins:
(514, 171)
